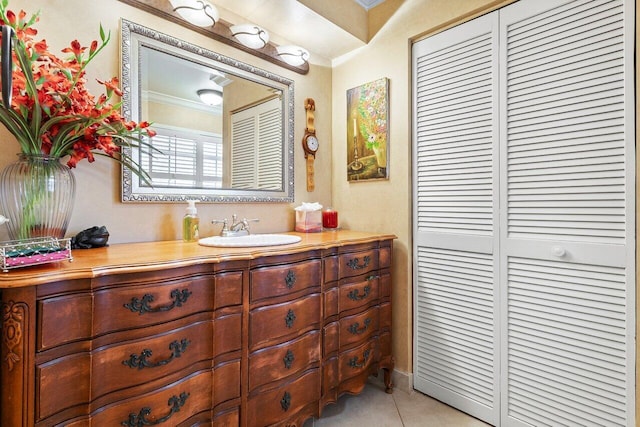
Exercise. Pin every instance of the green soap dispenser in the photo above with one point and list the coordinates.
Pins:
(190, 223)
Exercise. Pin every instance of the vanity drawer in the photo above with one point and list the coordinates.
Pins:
(359, 327)
(357, 263)
(173, 404)
(358, 294)
(267, 325)
(121, 308)
(359, 359)
(270, 407)
(274, 363)
(268, 282)
(122, 365)
(139, 306)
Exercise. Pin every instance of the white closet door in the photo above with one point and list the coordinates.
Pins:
(455, 217)
(567, 222)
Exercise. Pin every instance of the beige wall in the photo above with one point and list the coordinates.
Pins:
(385, 206)
(98, 184)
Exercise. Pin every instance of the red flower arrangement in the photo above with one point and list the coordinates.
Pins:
(52, 113)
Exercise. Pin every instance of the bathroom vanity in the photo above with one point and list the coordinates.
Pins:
(178, 334)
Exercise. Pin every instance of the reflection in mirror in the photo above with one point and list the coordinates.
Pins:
(224, 128)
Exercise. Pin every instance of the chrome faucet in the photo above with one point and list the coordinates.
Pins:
(237, 228)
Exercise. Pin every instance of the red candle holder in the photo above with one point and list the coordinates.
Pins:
(329, 218)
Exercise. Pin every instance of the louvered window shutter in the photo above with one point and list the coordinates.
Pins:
(567, 220)
(183, 158)
(455, 206)
(256, 135)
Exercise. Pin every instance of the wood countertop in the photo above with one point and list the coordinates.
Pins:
(145, 256)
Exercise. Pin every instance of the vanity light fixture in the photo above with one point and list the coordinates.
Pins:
(198, 12)
(210, 96)
(250, 35)
(202, 17)
(293, 55)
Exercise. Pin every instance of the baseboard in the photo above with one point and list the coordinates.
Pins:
(402, 381)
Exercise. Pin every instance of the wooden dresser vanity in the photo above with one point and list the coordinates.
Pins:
(177, 334)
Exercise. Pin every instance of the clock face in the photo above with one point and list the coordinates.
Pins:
(312, 143)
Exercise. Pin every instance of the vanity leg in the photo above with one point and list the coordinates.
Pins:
(387, 365)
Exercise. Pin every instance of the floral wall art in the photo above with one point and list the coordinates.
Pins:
(368, 131)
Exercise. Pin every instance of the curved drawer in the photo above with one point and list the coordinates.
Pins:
(270, 407)
(119, 366)
(268, 325)
(274, 363)
(359, 327)
(267, 282)
(357, 263)
(358, 360)
(154, 303)
(168, 406)
(85, 315)
(358, 294)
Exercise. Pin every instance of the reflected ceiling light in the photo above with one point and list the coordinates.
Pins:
(293, 55)
(210, 96)
(198, 12)
(250, 35)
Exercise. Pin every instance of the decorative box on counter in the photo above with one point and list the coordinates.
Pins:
(27, 252)
(309, 218)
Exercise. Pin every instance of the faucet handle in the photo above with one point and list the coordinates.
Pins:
(221, 221)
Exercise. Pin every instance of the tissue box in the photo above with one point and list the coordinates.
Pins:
(309, 221)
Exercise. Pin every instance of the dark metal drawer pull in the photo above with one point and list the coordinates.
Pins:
(285, 402)
(289, 318)
(142, 306)
(140, 420)
(354, 327)
(355, 263)
(353, 362)
(355, 294)
(140, 362)
(288, 359)
(290, 279)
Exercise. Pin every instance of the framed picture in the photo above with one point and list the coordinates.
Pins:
(368, 131)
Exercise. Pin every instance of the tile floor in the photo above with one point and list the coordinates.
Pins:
(375, 408)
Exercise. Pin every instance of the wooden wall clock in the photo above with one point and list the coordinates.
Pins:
(310, 142)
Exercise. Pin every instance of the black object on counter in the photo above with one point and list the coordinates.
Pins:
(94, 237)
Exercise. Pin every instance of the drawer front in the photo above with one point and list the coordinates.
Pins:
(358, 360)
(276, 405)
(268, 325)
(226, 382)
(357, 263)
(227, 334)
(360, 327)
(267, 282)
(358, 294)
(275, 363)
(166, 407)
(64, 382)
(228, 289)
(120, 308)
(72, 311)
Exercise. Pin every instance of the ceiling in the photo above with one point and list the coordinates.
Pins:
(328, 29)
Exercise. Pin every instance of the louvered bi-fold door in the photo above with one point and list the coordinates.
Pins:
(567, 218)
(554, 283)
(455, 217)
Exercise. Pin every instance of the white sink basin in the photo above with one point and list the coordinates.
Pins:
(249, 241)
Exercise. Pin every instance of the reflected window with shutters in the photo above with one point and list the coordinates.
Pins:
(185, 159)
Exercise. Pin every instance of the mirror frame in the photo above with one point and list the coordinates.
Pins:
(132, 37)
